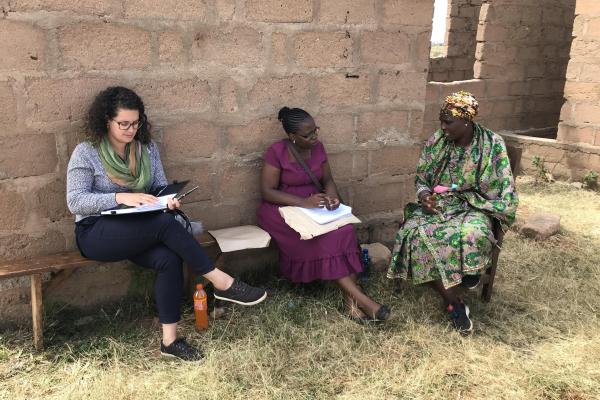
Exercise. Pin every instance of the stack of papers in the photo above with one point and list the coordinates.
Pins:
(324, 216)
(160, 205)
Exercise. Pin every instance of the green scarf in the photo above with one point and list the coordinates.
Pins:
(134, 171)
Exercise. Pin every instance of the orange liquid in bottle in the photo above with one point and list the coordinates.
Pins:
(200, 308)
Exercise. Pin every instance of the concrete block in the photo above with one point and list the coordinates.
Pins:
(254, 137)
(13, 246)
(272, 93)
(167, 96)
(344, 90)
(407, 12)
(279, 10)
(85, 7)
(394, 160)
(23, 46)
(228, 96)
(8, 105)
(336, 128)
(225, 9)
(279, 53)
(201, 173)
(194, 10)
(49, 201)
(385, 47)
(394, 85)
(232, 47)
(39, 159)
(541, 226)
(170, 49)
(104, 46)
(190, 140)
(383, 126)
(13, 209)
(588, 7)
(353, 12)
(384, 197)
(239, 181)
(323, 49)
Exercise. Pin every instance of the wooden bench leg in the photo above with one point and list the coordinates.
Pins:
(36, 311)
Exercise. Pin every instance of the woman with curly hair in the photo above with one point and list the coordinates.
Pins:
(119, 165)
(463, 181)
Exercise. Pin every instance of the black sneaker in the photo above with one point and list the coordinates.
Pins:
(181, 349)
(241, 293)
(471, 282)
(459, 314)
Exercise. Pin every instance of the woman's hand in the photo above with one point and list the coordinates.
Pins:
(332, 203)
(173, 203)
(317, 200)
(135, 199)
(428, 203)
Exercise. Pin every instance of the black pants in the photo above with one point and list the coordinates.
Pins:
(151, 240)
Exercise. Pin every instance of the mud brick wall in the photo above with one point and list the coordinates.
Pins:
(460, 44)
(213, 74)
(580, 116)
(521, 59)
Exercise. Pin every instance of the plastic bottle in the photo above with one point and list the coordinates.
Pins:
(200, 308)
(366, 260)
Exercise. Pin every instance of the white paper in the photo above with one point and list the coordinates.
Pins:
(324, 216)
(160, 205)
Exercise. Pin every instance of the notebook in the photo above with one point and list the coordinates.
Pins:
(325, 216)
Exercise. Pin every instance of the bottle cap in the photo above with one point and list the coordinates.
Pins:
(199, 286)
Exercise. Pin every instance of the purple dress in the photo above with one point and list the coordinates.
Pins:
(327, 257)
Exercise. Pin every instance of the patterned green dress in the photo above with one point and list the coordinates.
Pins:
(458, 241)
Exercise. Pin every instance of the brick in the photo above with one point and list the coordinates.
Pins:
(104, 46)
(323, 49)
(14, 213)
(279, 10)
(254, 137)
(15, 246)
(234, 47)
(394, 86)
(189, 140)
(394, 160)
(107, 7)
(348, 165)
(408, 12)
(383, 126)
(8, 105)
(380, 198)
(225, 9)
(273, 93)
(385, 47)
(587, 7)
(587, 113)
(340, 90)
(240, 181)
(279, 53)
(170, 49)
(353, 12)
(49, 201)
(336, 128)
(39, 159)
(166, 96)
(214, 216)
(199, 173)
(22, 46)
(593, 28)
(228, 97)
(573, 134)
(167, 9)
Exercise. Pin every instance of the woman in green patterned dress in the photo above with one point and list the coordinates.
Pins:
(463, 181)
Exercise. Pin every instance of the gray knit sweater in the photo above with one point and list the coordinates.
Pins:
(90, 191)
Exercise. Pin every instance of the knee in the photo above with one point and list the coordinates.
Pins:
(168, 260)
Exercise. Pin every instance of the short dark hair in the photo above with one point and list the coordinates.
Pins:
(105, 107)
(291, 118)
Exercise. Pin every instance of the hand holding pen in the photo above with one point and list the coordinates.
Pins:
(174, 202)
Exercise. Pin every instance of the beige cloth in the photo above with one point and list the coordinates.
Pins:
(241, 238)
(307, 227)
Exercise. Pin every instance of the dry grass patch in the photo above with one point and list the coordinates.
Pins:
(539, 338)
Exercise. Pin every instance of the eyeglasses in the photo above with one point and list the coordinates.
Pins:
(125, 125)
(311, 134)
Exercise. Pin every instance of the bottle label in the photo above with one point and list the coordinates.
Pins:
(199, 305)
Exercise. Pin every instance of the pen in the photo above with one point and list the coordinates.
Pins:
(186, 193)
(161, 190)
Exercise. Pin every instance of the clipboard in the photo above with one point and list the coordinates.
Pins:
(171, 188)
(163, 193)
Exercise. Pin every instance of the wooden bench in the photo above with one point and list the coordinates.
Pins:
(62, 262)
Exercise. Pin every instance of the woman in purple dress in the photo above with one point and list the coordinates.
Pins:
(332, 256)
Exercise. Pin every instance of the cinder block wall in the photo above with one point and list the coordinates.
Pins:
(580, 116)
(213, 74)
(460, 44)
(521, 59)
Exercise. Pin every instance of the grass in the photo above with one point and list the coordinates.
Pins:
(539, 338)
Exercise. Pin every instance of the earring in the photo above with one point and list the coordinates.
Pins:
(294, 141)
(466, 124)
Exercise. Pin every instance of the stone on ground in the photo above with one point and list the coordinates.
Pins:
(380, 255)
(541, 226)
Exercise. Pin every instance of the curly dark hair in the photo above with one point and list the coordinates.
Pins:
(105, 107)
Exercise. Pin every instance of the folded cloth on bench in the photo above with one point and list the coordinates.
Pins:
(240, 238)
(309, 228)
